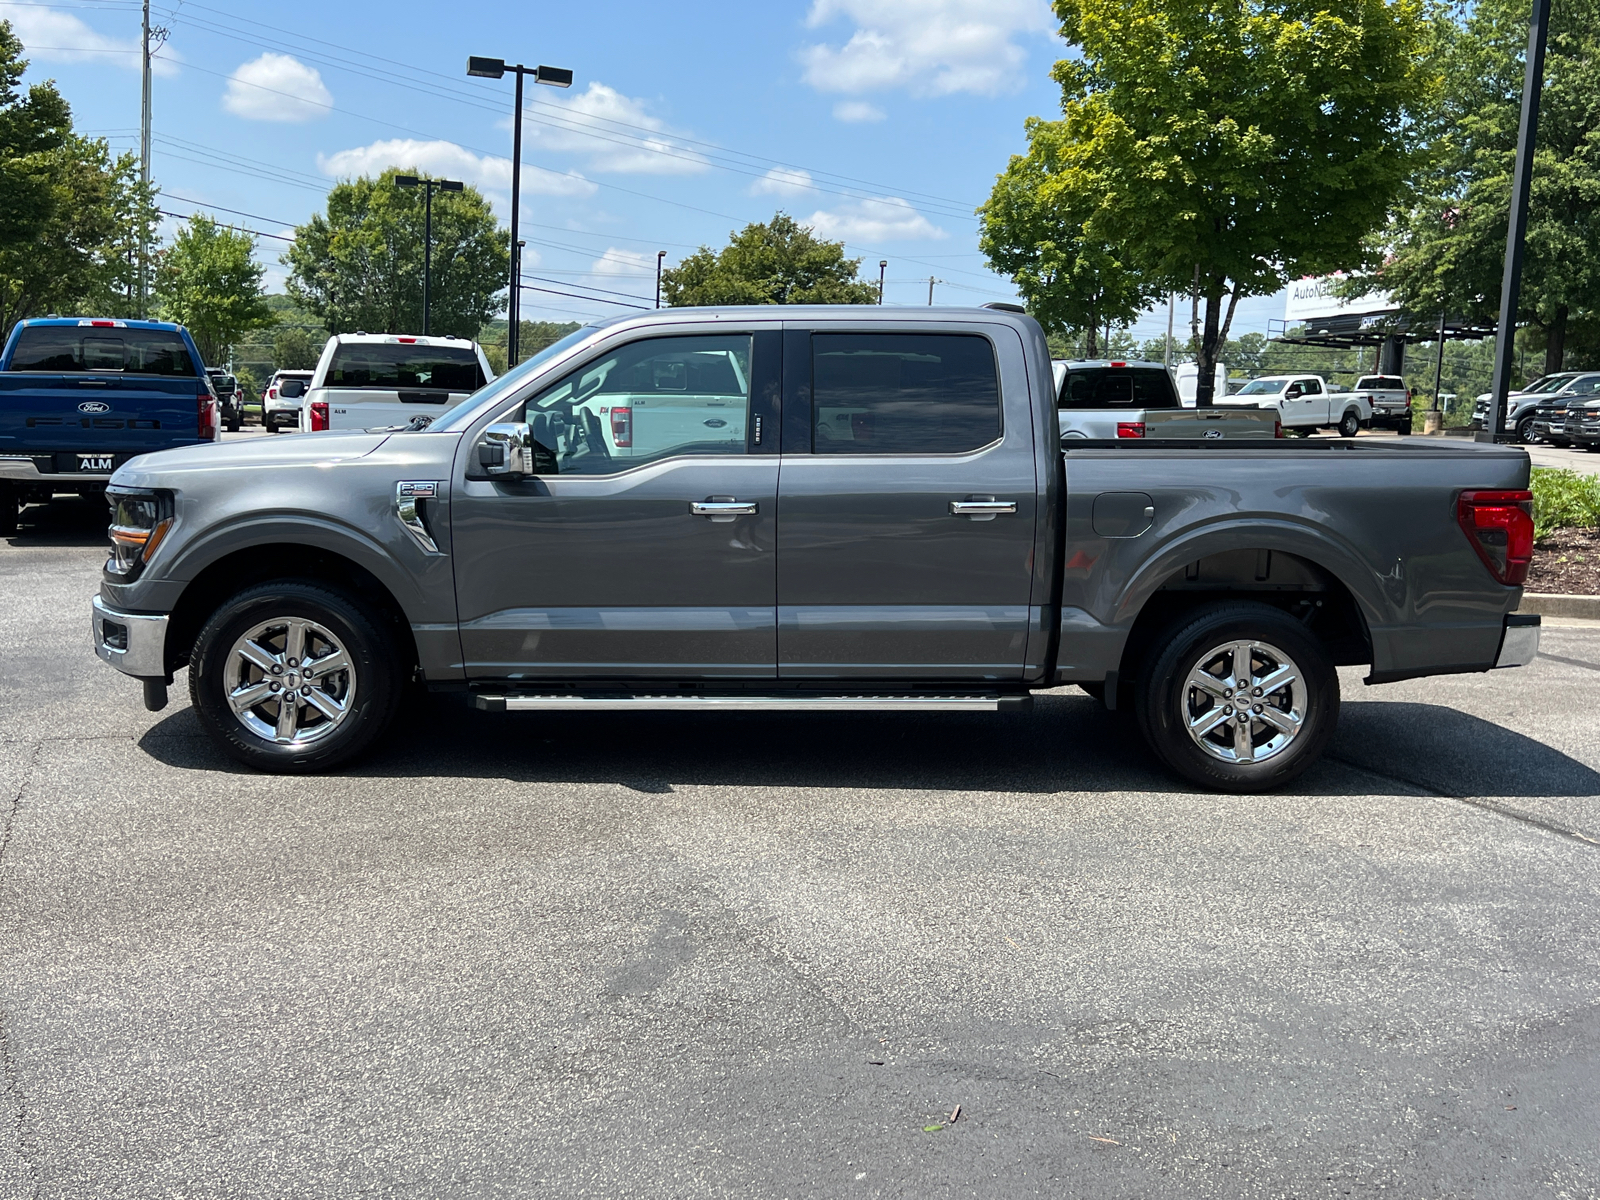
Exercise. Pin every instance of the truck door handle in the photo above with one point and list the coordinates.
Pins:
(982, 510)
(723, 510)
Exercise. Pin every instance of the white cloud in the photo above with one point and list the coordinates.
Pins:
(450, 161)
(889, 219)
(616, 263)
(783, 181)
(855, 111)
(928, 47)
(276, 87)
(52, 36)
(616, 133)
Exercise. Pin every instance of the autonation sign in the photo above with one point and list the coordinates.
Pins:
(1315, 296)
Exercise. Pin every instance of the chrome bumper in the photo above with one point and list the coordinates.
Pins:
(21, 469)
(1519, 645)
(133, 643)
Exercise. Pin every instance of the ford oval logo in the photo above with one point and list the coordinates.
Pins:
(94, 406)
(1212, 433)
(716, 422)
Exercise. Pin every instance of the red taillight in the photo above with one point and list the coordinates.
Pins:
(1130, 429)
(406, 341)
(104, 324)
(208, 423)
(1277, 429)
(1119, 364)
(1500, 527)
(622, 427)
(319, 415)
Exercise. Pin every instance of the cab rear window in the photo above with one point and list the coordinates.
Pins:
(127, 351)
(1381, 383)
(1118, 387)
(386, 365)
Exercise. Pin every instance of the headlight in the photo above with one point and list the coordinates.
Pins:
(139, 520)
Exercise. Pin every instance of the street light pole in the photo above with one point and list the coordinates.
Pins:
(495, 68)
(1517, 228)
(428, 186)
(660, 256)
(883, 265)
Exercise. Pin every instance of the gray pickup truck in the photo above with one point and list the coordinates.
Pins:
(805, 509)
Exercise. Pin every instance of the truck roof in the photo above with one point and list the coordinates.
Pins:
(405, 339)
(113, 322)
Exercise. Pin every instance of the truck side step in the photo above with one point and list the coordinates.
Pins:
(793, 702)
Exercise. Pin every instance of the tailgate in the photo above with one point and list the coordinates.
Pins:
(1231, 422)
(376, 408)
(84, 413)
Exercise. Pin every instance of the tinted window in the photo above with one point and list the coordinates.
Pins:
(1310, 387)
(1586, 385)
(646, 400)
(389, 365)
(1106, 387)
(1381, 383)
(903, 393)
(130, 351)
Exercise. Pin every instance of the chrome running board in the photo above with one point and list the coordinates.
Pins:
(799, 702)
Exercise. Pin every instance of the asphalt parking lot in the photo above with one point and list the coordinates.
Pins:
(768, 956)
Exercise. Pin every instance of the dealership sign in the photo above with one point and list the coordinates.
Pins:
(1316, 296)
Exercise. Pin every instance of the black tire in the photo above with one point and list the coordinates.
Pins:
(10, 508)
(377, 682)
(1525, 432)
(233, 425)
(1164, 700)
(1349, 424)
(1403, 428)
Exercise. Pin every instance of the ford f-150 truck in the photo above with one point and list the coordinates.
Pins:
(1303, 403)
(81, 396)
(899, 526)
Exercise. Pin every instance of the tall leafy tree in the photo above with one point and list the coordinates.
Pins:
(209, 280)
(1226, 148)
(1448, 248)
(359, 266)
(296, 349)
(70, 213)
(1033, 230)
(779, 262)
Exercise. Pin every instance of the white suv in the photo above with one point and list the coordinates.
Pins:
(280, 403)
(369, 380)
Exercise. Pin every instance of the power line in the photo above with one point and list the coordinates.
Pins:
(528, 287)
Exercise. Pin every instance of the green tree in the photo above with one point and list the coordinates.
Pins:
(70, 214)
(1448, 249)
(209, 280)
(1225, 149)
(1032, 229)
(296, 349)
(781, 262)
(359, 266)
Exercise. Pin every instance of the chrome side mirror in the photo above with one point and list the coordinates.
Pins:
(506, 451)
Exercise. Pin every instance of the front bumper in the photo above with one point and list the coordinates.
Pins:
(133, 643)
(1519, 644)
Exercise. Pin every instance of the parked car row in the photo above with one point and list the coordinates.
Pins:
(1539, 411)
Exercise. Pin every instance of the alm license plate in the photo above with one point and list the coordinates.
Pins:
(98, 463)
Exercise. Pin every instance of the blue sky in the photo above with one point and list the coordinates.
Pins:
(881, 122)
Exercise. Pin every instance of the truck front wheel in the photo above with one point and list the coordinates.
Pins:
(1240, 698)
(294, 677)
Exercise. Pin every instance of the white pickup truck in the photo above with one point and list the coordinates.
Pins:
(1303, 402)
(1389, 399)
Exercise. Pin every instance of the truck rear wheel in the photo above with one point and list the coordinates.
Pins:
(10, 507)
(1240, 698)
(293, 677)
(1349, 424)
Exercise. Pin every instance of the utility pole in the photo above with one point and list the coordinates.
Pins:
(429, 186)
(931, 282)
(1505, 338)
(660, 258)
(1172, 309)
(158, 36)
(883, 265)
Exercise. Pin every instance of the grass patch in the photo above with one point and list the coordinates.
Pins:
(1564, 500)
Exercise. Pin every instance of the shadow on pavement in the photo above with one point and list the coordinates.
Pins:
(64, 521)
(1067, 744)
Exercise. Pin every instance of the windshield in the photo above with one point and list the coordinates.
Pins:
(1549, 383)
(1261, 387)
(511, 380)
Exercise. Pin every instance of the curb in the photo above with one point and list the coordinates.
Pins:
(1554, 604)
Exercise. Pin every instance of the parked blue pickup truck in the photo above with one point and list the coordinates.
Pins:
(81, 396)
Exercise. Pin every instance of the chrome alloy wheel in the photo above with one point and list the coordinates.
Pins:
(1244, 702)
(290, 681)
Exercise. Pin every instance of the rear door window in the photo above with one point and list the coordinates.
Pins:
(392, 366)
(1118, 387)
(63, 348)
(903, 393)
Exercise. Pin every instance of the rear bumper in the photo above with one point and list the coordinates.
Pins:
(1519, 645)
(22, 469)
(133, 643)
